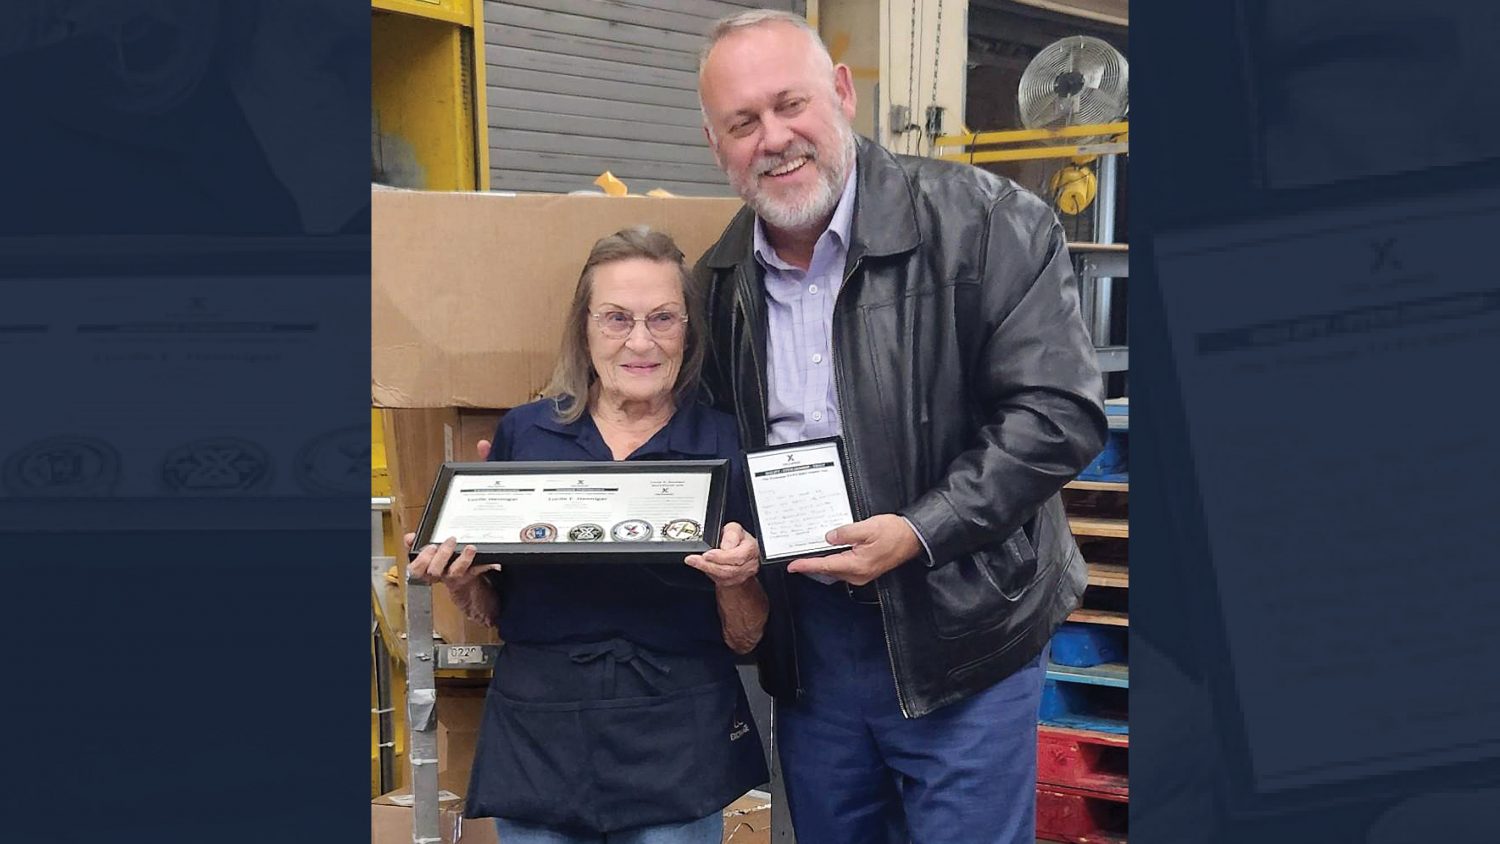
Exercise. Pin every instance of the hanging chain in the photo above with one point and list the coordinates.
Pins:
(936, 52)
(931, 120)
(911, 69)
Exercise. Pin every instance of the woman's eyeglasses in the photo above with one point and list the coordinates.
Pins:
(616, 324)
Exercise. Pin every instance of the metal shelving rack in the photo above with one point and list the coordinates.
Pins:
(424, 657)
(384, 709)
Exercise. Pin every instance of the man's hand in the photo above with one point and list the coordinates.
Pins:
(735, 561)
(878, 544)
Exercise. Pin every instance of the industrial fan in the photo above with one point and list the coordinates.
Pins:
(1078, 81)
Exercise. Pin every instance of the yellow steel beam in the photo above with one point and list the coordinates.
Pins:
(1034, 152)
(422, 96)
(1018, 136)
(447, 11)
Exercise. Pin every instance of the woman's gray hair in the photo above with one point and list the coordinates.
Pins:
(574, 377)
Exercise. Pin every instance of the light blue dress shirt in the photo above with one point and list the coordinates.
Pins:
(803, 400)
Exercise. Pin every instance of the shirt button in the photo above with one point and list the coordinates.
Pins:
(812, 288)
(817, 358)
(817, 416)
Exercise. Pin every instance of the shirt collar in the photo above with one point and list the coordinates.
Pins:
(689, 433)
(839, 226)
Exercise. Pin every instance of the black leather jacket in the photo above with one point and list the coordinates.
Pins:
(968, 392)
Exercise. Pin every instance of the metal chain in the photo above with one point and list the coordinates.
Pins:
(937, 51)
(911, 69)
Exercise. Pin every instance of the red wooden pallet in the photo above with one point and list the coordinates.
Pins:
(1079, 818)
(1083, 760)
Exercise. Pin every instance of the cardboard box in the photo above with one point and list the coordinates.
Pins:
(417, 442)
(474, 425)
(391, 819)
(459, 713)
(469, 290)
(748, 819)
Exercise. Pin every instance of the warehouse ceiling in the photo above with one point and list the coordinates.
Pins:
(1115, 12)
(1007, 33)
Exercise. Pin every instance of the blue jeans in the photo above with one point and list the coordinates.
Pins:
(705, 830)
(858, 772)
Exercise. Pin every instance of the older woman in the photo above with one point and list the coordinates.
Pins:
(615, 713)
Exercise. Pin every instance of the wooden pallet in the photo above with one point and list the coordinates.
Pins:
(1110, 528)
(1083, 737)
(1106, 596)
(1087, 761)
(1098, 486)
(1079, 817)
(1109, 574)
(1110, 617)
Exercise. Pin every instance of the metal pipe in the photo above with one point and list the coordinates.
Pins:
(1104, 232)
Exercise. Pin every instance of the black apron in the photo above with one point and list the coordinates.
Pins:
(607, 736)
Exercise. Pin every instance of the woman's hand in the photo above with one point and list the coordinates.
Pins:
(473, 596)
(435, 564)
(734, 562)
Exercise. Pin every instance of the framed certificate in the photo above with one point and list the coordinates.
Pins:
(800, 492)
(655, 511)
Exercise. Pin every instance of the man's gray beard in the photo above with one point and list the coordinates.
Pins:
(819, 203)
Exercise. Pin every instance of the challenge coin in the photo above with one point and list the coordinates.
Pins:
(539, 532)
(586, 533)
(631, 530)
(682, 530)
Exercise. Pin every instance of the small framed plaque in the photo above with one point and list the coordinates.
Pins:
(800, 492)
(655, 511)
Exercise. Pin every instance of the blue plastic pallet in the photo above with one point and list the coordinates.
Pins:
(1113, 463)
(1113, 674)
(1082, 707)
(1085, 645)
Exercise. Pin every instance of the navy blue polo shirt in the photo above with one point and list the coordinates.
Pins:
(664, 608)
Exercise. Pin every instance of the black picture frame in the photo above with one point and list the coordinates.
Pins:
(838, 443)
(649, 552)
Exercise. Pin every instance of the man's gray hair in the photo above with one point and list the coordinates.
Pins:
(724, 27)
(758, 17)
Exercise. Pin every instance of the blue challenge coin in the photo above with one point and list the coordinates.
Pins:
(70, 466)
(539, 532)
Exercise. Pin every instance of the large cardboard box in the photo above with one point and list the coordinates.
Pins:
(391, 819)
(748, 819)
(460, 710)
(469, 290)
(417, 442)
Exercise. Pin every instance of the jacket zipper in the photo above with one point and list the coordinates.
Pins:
(859, 496)
(741, 283)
